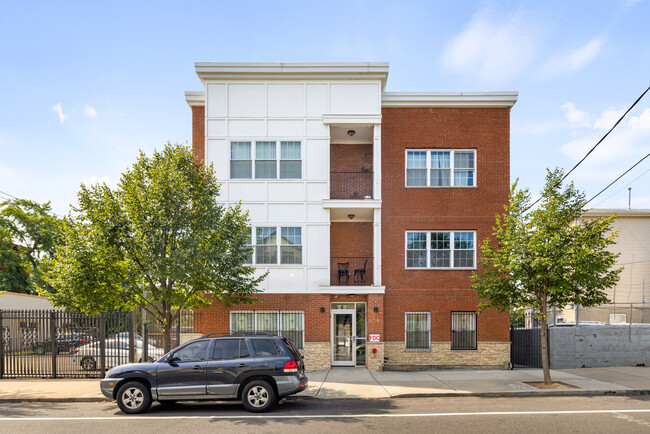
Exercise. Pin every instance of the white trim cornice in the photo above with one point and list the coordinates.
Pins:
(195, 98)
(351, 203)
(448, 99)
(292, 71)
(352, 289)
(351, 119)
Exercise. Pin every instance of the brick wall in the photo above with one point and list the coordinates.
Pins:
(198, 132)
(440, 291)
(351, 158)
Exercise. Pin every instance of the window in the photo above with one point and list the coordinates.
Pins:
(440, 249)
(265, 348)
(227, 349)
(267, 244)
(440, 168)
(265, 163)
(463, 330)
(283, 323)
(418, 328)
(192, 352)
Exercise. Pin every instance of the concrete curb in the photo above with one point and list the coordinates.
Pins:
(522, 394)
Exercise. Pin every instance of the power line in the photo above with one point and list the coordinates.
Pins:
(621, 189)
(594, 147)
(622, 175)
(18, 198)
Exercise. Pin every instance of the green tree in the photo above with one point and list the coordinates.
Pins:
(546, 256)
(28, 234)
(159, 241)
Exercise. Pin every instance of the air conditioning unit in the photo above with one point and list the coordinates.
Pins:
(617, 318)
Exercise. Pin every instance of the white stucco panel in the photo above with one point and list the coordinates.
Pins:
(317, 277)
(316, 128)
(247, 128)
(286, 279)
(286, 100)
(316, 213)
(318, 159)
(286, 191)
(217, 101)
(247, 100)
(318, 245)
(217, 153)
(317, 101)
(317, 191)
(217, 128)
(288, 128)
(285, 213)
(256, 212)
(247, 191)
(355, 98)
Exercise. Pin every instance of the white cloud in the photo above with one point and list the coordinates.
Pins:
(493, 50)
(90, 111)
(57, 108)
(575, 60)
(640, 122)
(574, 115)
(93, 180)
(607, 119)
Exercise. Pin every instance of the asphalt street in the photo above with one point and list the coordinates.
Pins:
(469, 414)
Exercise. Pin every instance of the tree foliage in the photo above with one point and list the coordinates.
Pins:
(546, 256)
(28, 234)
(160, 241)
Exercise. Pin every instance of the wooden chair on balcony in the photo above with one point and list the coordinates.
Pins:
(344, 272)
(360, 273)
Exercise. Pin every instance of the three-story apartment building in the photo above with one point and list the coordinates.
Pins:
(366, 209)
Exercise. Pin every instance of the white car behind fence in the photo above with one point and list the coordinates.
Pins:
(117, 353)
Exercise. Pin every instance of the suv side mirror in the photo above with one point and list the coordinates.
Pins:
(170, 358)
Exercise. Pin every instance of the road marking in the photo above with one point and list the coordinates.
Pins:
(326, 416)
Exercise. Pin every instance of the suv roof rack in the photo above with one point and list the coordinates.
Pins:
(212, 335)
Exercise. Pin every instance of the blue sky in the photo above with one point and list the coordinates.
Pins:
(85, 85)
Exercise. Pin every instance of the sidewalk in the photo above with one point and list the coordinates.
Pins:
(360, 383)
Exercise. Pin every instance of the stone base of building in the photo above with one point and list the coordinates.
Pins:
(488, 355)
(318, 356)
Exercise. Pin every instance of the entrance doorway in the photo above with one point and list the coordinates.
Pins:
(348, 334)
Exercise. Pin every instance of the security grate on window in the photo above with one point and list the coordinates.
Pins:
(463, 330)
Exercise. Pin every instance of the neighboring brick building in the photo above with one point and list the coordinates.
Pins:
(366, 208)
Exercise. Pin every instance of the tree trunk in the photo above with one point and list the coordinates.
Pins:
(167, 329)
(545, 361)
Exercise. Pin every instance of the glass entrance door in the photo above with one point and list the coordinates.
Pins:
(344, 334)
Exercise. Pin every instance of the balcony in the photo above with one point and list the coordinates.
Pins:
(348, 271)
(351, 185)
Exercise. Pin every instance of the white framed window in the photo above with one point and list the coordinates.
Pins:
(275, 245)
(417, 331)
(259, 159)
(287, 323)
(463, 330)
(440, 168)
(440, 249)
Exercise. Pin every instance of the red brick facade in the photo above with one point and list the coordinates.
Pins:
(198, 132)
(440, 291)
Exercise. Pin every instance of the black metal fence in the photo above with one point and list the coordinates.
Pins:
(350, 185)
(525, 346)
(58, 344)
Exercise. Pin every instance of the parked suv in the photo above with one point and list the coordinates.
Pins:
(258, 369)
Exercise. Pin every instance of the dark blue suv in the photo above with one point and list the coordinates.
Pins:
(258, 369)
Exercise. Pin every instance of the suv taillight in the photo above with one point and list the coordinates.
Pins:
(291, 366)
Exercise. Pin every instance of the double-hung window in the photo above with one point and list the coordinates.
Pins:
(259, 160)
(276, 245)
(418, 330)
(440, 249)
(463, 330)
(440, 168)
(289, 324)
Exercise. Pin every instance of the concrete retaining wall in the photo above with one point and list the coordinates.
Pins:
(592, 346)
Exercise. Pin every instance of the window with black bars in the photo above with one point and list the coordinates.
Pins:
(463, 330)
(289, 324)
(418, 330)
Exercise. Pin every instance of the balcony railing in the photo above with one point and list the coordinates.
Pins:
(351, 271)
(350, 185)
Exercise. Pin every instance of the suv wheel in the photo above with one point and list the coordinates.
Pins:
(133, 397)
(258, 396)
